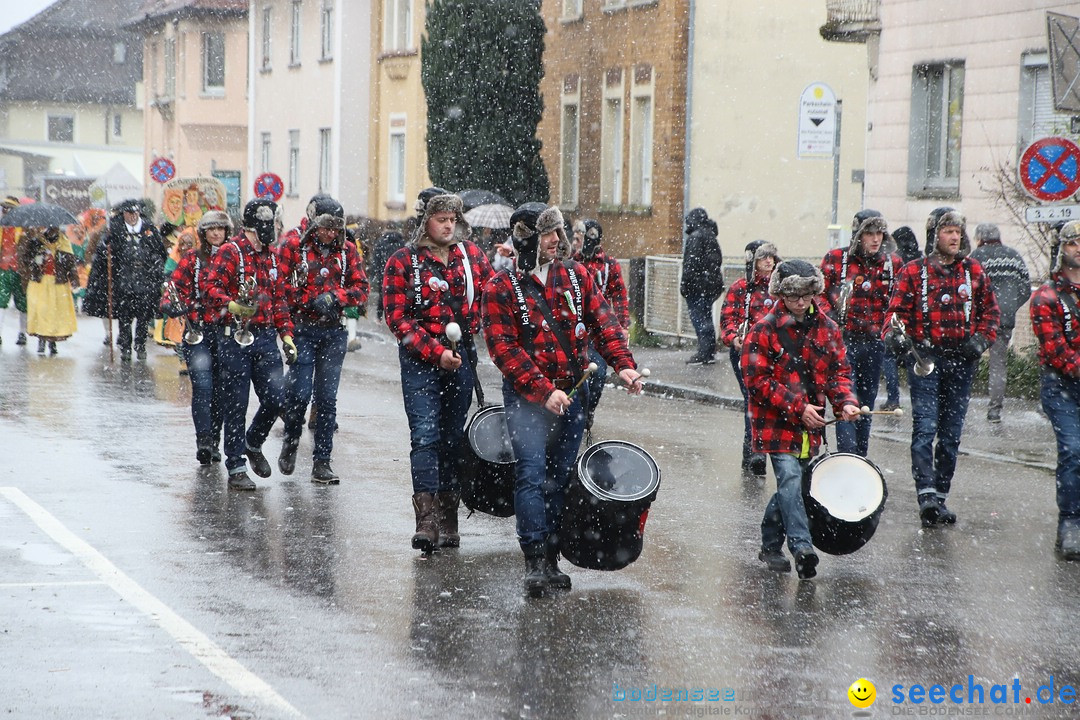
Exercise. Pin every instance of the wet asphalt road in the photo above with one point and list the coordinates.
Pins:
(132, 584)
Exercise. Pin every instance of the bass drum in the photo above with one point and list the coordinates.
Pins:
(487, 477)
(607, 503)
(844, 496)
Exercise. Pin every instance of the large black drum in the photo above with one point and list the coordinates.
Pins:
(487, 478)
(844, 495)
(607, 503)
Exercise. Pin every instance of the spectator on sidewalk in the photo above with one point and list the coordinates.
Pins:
(1012, 285)
(702, 281)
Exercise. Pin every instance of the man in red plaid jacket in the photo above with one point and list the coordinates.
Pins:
(947, 307)
(435, 280)
(245, 288)
(858, 282)
(1055, 318)
(545, 424)
(748, 301)
(323, 273)
(793, 362)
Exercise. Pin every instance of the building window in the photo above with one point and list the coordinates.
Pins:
(61, 128)
(396, 159)
(264, 156)
(325, 151)
(570, 143)
(327, 32)
(169, 90)
(117, 125)
(1037, 117)
(397, 25)
(641, 137)
(294, 34)
(267, 25)
(293, 185)
(572, 9)
(119, 53)
(611, 142)
(213, 47)
(937, 107)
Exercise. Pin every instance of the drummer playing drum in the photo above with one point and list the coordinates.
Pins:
(793, 360)
(538, 321)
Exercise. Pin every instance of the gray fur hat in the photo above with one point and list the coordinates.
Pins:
(441, 203)
(948, 218)
(1069, 231)
(796, 277)
(214, 219)
(869, 221)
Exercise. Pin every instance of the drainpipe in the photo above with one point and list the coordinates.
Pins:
(689, 109)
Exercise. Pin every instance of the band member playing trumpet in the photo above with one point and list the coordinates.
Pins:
(323, 274)
(202, 333)
(435, 280)
(858, 282)
(746, 302)
(538, 321)
(244, 283)
(950, 316)
(793, 362)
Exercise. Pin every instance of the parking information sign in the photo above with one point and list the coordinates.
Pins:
(817, 122)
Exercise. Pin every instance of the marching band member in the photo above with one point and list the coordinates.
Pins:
(793, 362)
(858, 282)
(323, 273)
(746, 302)
(530, 315)
(950, 316)
(202, 356)
(244, 281)
(434, 280)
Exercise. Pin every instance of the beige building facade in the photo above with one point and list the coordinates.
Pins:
(749, 66)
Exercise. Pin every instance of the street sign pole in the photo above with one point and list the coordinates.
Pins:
(836, 164)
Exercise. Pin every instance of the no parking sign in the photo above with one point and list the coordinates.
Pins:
(269, 185)
(1050, 169)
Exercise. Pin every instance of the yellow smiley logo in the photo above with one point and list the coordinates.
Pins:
(862, 693)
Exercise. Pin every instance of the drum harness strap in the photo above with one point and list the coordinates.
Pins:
(926, 297)
(556, 328)
(1068, 310)
(254, 273)
(787, 342)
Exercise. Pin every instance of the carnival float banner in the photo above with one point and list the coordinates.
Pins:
(186, 199)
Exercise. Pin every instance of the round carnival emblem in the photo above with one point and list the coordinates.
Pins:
(544, 324)
(768, 302)
(324, 272)
(964, 291)
(946, 298)
(866, 286)
(859, 280)
(433, 283)
(273, 273)
(579, 330)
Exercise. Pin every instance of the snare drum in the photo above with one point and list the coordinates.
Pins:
(607, 503)
(487, 477)
(844, 495)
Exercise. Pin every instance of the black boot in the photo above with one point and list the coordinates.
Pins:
(323, 474)
(240, 481)
(286, 461)
(259, 464)
(1067, 546)
(929, 509)
(426, 537)
(536, 578)
(204, 452)
(52, 347)
(448, 519)
(556, 578)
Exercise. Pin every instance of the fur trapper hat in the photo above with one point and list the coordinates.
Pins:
(796, 277)
(214, 219)
(1069, 231)
(756, 250)
(947, 218)
(444, 202)
(868, 221)
(529, 220)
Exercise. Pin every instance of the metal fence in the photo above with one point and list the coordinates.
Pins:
(853, 11)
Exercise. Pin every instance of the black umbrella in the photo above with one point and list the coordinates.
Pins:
(476, 198)
(38, 215)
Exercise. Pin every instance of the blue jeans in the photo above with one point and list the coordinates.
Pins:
(700, 311)
(736, 365)
(865, 356)
(207, 388)
(320, 352)
(939, 403)
(258, 364)
(436, 403)
(785, 513)
(596, 381)
(892, 378)
(1061, 401)
(546, 447)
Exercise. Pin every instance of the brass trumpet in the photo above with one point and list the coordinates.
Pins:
(922, 367)
(243, 336)
(192, 334)
(846, 291)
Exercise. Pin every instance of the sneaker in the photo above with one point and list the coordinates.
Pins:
(695, 359)
(774, 560)
(929, 510)
(993, 415)
(806, 561)
(323, 474)
(708, 360)
(259, 464)
(240, 481)
(21, 339)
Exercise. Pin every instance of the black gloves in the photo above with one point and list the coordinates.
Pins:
(174, 309)
(898, 345)
(327, 305)
(974, 347)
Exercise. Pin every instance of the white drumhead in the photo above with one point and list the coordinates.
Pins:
(847, 486)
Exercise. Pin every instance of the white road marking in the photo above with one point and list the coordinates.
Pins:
(49, 584)
(201, 647)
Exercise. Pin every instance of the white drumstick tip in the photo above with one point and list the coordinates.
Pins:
(593, 367)
(898, 412)
(645, 372)
(864, 410)
(453, 332)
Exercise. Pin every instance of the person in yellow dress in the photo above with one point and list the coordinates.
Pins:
(48, 269)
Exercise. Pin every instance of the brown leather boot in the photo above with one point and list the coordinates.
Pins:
(448, 526)
(427, 522)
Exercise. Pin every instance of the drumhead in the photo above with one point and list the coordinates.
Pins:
(848, 486)
(488, 436)
(616, 470)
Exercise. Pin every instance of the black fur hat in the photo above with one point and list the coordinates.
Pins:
(796, 277)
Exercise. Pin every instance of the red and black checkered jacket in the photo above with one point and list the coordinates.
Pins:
(733, 312)
(309, 270)
(873, 280)
(531, 357)
(607, 277)
(948, 288)
(419, 323)
(190, 278)
(1058, 334)
(776, 397)
(223, 284)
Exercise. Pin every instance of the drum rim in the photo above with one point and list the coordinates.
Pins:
(884, 485)
(471, 425)
(599, 492)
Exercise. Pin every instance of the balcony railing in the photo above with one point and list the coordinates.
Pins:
(851, 20)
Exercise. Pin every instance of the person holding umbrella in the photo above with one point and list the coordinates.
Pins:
(10, 283)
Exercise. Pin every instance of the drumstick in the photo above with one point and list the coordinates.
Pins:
(593, 367)
(453, 334)
(864, 410)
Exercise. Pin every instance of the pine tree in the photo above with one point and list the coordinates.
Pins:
(482, 61)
